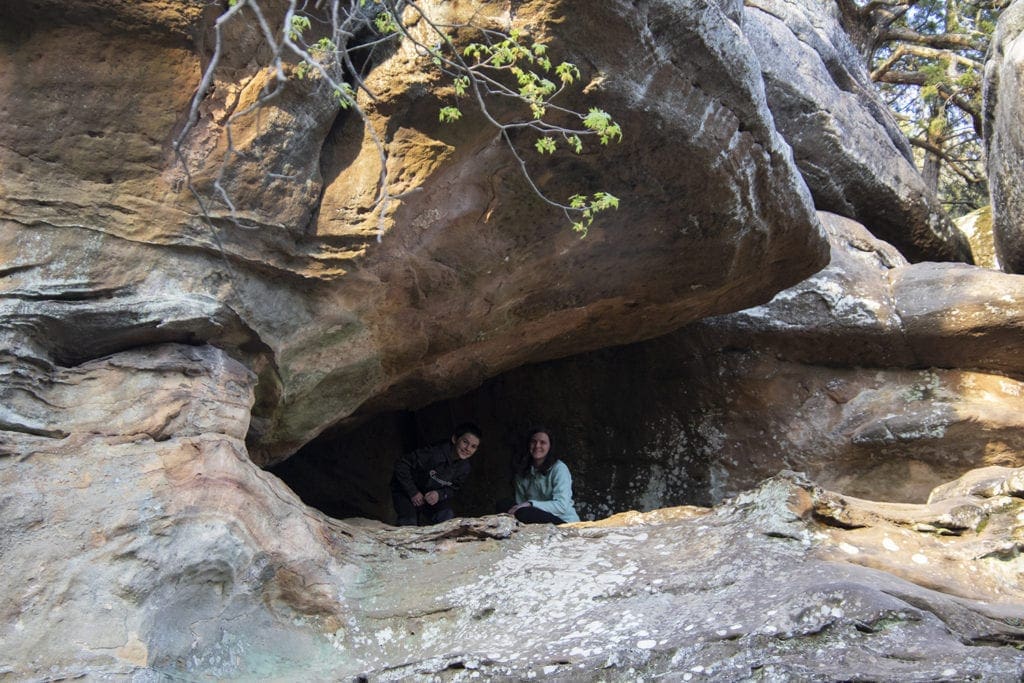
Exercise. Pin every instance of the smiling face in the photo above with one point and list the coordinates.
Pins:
(466, 445)
(539, 445)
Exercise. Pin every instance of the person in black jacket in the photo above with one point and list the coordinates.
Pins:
(426, 479)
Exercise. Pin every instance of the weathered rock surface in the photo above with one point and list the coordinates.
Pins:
(876, 377)
(142, 529)
(1004, 141)
(105, 249)
(869, 307)
(845, 141)
(977, 228)
(142, 347)
(163, 551)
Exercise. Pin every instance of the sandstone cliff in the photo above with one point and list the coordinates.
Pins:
(471, 276)
(162, 346)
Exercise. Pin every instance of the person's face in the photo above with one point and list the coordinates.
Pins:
(466, 445)
(539, 446)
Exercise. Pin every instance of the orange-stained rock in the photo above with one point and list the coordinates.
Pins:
(341, 309)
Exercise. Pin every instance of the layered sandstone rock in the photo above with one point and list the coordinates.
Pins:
(143, 344)
(878, 378)
(141, 529)
(845, 141)
(869, 307)
(151, 547)
(1004, 142)
(340, 310)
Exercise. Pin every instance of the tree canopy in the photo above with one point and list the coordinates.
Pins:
(927, 59)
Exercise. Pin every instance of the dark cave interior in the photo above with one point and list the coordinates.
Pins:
(619, 421)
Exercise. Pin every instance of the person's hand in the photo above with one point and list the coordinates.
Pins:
(417, 500)
(512, 510)
(432, 497)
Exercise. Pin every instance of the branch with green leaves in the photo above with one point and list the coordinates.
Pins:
(509, 79)
(508, 71)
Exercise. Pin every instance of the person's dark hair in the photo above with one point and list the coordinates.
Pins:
(524, 462)
(468, 428)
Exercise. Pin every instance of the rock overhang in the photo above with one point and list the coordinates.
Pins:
(349, 319)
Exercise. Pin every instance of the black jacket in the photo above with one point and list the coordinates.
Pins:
(431, 468)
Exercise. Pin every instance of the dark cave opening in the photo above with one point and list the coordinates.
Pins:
(623, 423)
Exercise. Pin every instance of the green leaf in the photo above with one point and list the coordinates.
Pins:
(298, 25)
(385, 22)
(449, 114)
(604, 200)
(611, 132)
(567, 72)
(322, 49)
(545, 145)
(597, 119)
(345, 95)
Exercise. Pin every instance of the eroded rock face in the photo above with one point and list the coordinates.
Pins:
(870, 308)
(849, 149)
(168, 553)
(141, 347)
(142, 527)
(105, 248)
(977, 227)
(1004, 142)
(878, 378)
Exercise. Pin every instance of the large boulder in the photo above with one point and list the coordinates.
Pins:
(881, 378)
(344, 309)
(845, 140)
(869, 307)
(1004, 141)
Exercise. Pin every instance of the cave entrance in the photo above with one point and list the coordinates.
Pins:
(622, 423)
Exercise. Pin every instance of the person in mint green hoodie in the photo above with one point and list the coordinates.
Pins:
(543, 484)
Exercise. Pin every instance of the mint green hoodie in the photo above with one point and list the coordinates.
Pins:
(551, 492)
